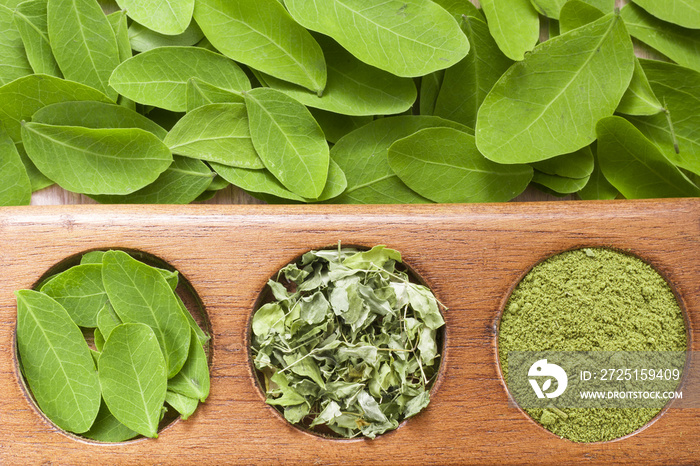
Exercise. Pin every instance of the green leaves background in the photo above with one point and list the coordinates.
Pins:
(260, 93)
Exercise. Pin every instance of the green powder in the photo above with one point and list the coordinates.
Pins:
(591, 300)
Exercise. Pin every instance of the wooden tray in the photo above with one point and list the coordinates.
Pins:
(470, 255)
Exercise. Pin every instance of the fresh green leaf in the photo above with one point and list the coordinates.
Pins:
(549, 103)
(159, 77)
(606, 6)
(200, 93)
(92, 257)
(143, 39)
(460, 8)
(181, 403)
(181, 183)
(99, 341)
(107, 319)
(23, 97)
(95, 115)
(426, 37)
(15, 186)
(108, 429)
(466, 84)
(37, 180)
(193, 378)
(514, 25)
(684, 13)
(200, 334)
(429, 89)
(132, 374)
(170, 17)
(578, 164)
(635, 166)
(353, 88)
(335, 125)
(31, 23)
(679, 44)
(125, 279)
(443, 165)
(289, 141)
(598, 187)
(262, 35)
(96, 161)
(80, 291)
(93, 52)
(56, 362)
(577, 13)
(549, 8)
(216, 133)
(559, 184)
(639, 98)
(13, 58)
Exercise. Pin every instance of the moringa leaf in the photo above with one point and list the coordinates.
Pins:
(443, 165)
(23, 97)
(95, 115)
(56, 362)
(425, 36)
(108, 429)
(124, 279)
(107, 319)
(549, 8)
(168, 17)
(120, 26)
(460, 8)
(262, 35)
(96, 161)
(193, 379)
(429, 89)
(684, 13)
(635, 166)
(598, 187)
(80, 291)
(143, 39)
(335, 125)
(289, 141)
(679, 44)
(216, 133)
(93, 52)
(200, 93)
(159, 77)
(559, 184)
(13, 58)
(578, 164)
(514, 25)
(199, 333)
(639, 99)
(31, 23)
(132, 374)
(577, 13)
(37, 180)
(549, 103)
(181, 403)
(15, 186)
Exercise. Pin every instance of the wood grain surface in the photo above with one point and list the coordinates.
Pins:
(470, 255)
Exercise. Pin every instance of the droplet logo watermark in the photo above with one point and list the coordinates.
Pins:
(547, 373)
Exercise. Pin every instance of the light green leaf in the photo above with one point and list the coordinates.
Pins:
(168, 17)
(30, 21)
(559, 184)
(143, 39)
(443, 165)
(159, 77)
(96, 161)
(56, 362)
(514, 25)
(182, 404)
(193, 378)
(675, 131)
(549, 103)
(99, 341)
(269, 318)
(181, 183)
(679, 44)
(416, 404)
(80, 291)
(353, 88)
(23, 97)
(139, 294)
(289, 141)
(578, 164)
(598, 187)
(684, 13)
(606, 6)
(549, 8)
(577, 13)
(466, 84)
(93, 52)
(132, 374)
(335, 125)
(92, 257)
(200, 93)
(407, 38)
(201, 335)
(635, 166)
(460, 8)
(639, 99)
(107, 319)
(108, 429)
(15, 186)
(36, 179)
(362, 155)
(120, 26)
(13, 59)
(262, 35)
(429, 89)
(378, 256)
(216, 133)
(290, 397)
(95, 115)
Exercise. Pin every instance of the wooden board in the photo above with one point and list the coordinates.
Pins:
(470, 255)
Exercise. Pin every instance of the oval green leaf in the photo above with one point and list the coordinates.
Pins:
(200, 93)
(578, 164)
(80, 291)
(30, 20)
(684, 13)
(139, 294)
(443, 165)
(93, 52)
(168, 17)
(335, 125)
(96, 161)
(182, 404)
(559, 184)
(639, 99)
(289, 141)
(120, 26)
(577, 13)
(15, 186)
(262, 35)
(56, 362)
(132, 374)
(193, 378)
(107, 319)
(549, 103)
(143, 39)
(159, 77)
(108, 429)
(514, 25)
(407, 38)
(598, 187)
(13, 58)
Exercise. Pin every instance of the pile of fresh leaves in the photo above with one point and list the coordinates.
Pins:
(399, 101)
(148, 349)
(347, 344)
